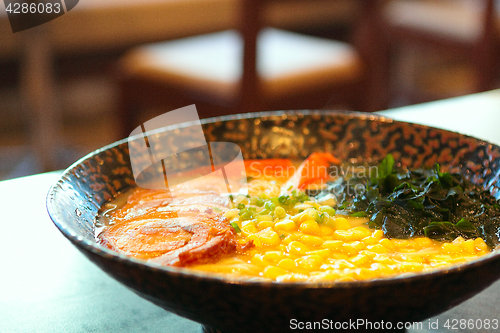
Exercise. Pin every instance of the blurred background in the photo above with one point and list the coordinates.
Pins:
(64, 85)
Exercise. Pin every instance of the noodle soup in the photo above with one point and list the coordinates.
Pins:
(288, 227)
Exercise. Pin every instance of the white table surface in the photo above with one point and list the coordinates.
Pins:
(477, 115)
(46, 285)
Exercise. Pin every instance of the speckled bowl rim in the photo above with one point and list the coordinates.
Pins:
(216, 277)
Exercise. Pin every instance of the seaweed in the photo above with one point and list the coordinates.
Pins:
(421, 202)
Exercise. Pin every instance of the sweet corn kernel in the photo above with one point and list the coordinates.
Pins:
(244, 223)
(311, 240)
(343, 235)
(383, 259)
(415, 258)
(332, 244)
(378, 234)
(343, 264)
(423, 241)
(377, 248)
(468, 246)
(339, 256)
(387, 243)
(381, 269)
(285, 225)
(308, 214)
(255, 239)
(290, 238)
(272, 272)
(268, 237)
(265, 224)
(298, 248)
(258, 259)
(273, 256)
(248, 229)
(367, 253)
(360, 260)
(451, 248)
(401, 243)
(480, 244)
(309, 262)
(310, 227)
(352, 248)
(370, 240)
(287, 264)
(353, 234)
(407, 250)
(339, 223)
(324, 253)
(325, 230)
(361, 232)
(231, 213)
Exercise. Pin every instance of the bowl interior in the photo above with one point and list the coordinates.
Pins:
(74, 201)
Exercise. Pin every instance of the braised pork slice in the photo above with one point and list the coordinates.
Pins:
(188, 229)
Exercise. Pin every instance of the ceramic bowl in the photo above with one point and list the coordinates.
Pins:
(239, 305)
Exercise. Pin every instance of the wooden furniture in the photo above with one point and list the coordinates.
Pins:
(253, 68)
(96, 26)
(465, 31)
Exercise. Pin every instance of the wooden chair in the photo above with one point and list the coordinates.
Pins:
(464, 31)
(255, 68)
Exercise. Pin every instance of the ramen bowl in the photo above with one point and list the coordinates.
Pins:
(244, 305)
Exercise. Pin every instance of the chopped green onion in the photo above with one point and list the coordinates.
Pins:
(325, 217)
(313, 214)
(264, 196)
(327, 209)
(275, 200)
(235, 226)
(240, 206)
(279, 212)
(269, 205)
(264, 212)
(246, 215)
(282, 199)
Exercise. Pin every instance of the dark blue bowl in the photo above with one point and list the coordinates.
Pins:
(253, 306)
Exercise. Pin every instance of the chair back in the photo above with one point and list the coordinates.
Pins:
(252, 13)
(249, 27)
